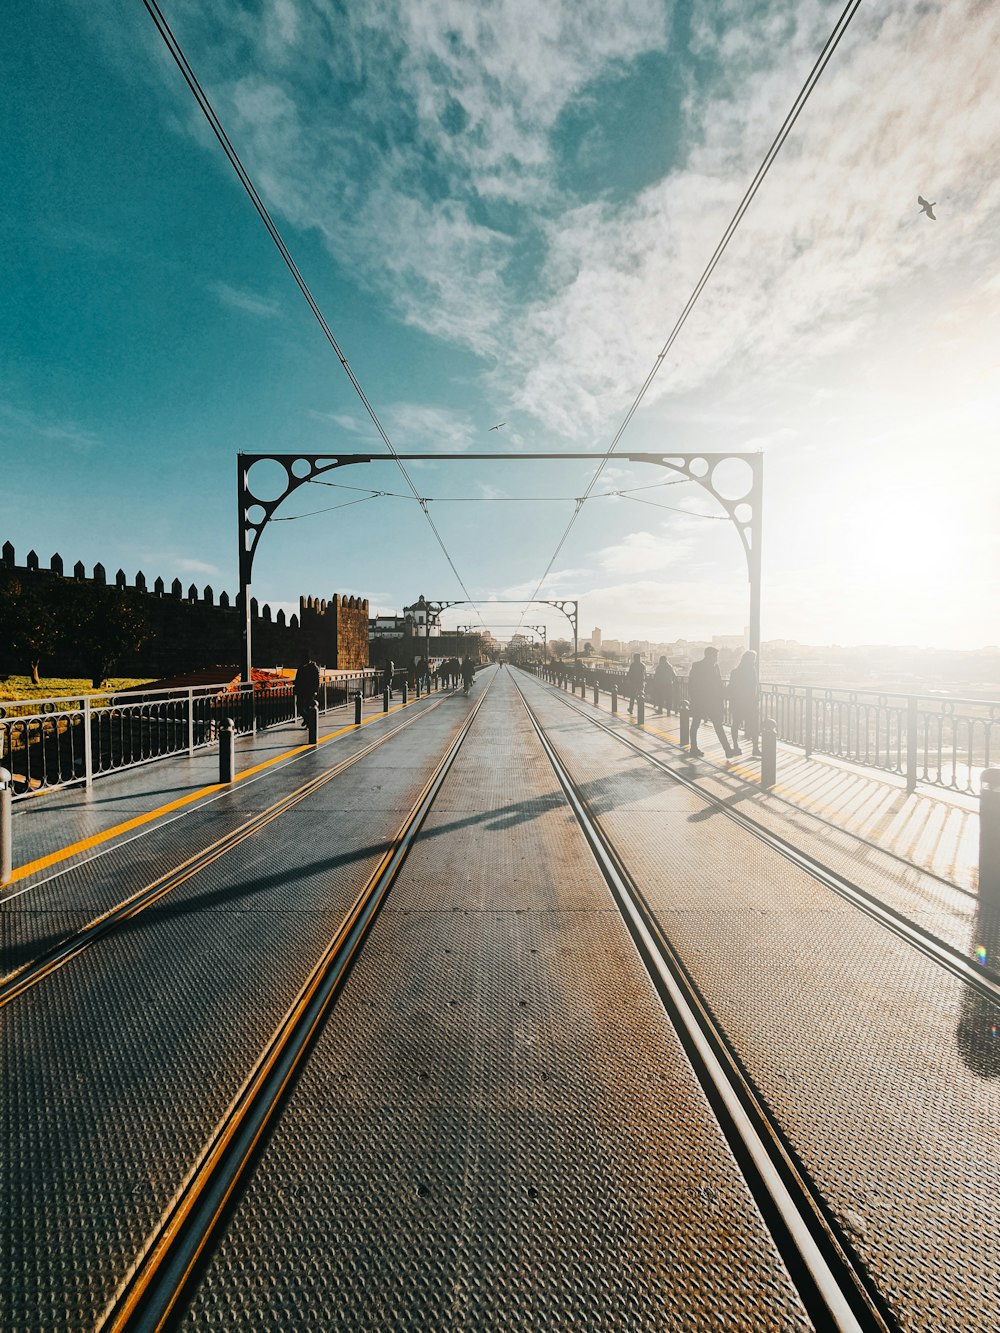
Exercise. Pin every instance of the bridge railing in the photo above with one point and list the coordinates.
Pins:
(944, 742)
(47, 743)
(925, 738)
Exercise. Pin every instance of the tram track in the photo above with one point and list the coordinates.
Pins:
(833, 1283)
(980, 978)
(50, 960)
(161, 1273)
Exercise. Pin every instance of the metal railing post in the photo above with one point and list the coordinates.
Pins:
(597, 696)
(614, 698)
(190, 721)
(312, 722)
(989, 839)
(769, 753)
(227, 751)
(911, 745)
(685, 722)
(404, 693)
(640, 711)
(6, 825)
(88, 744)
(807, 722)
(385, 700)
(357, 709)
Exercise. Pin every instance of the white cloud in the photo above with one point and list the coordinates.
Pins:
(249, 302)
(341, 419)
(419, 427)
(190, 566)
(15, 422)
(644, 552)
(832, 233)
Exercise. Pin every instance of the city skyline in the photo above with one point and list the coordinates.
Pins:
(502, 214)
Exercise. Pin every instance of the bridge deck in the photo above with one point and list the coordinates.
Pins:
(497, 1122)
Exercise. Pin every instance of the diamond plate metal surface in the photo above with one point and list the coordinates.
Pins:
(56, 905)
(497, 1127)
(880, 1066)
(118, 1066)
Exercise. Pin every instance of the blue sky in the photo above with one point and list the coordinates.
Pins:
(501, 209)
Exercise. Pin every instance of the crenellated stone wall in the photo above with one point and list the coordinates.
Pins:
(191, 628)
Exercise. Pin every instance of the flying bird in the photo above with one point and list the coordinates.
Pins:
(926, 207)
(498, 425)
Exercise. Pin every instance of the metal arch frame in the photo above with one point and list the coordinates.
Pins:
(745, 511)
(559, 603)
(543, 630)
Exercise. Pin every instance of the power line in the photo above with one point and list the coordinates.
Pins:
(689, 513)
(292, 518)
(200, 96)
(495, 499)
(832, 42)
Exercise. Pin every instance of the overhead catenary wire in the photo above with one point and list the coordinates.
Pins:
(201, 97)
(495, 499)
(822, 60)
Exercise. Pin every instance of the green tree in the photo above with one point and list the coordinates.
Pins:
(105, 627)
(29, 612)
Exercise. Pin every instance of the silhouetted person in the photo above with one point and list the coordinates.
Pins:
(422, 674)
(664, 680)
(468, 673)
(635, 681)
(306, 687)
(706, 697)
(743, 696)
(387, 676)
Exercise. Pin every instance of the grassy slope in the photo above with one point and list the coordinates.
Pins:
(20, 687)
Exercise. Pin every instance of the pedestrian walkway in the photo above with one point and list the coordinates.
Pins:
(932, 828)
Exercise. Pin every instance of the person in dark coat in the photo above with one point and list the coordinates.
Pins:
(306, 687)
(706, 697)
(468, 673)
(664, 680)
(744, 690)
(635, 681)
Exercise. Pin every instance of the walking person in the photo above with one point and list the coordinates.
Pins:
(744, 694)
(635, 681)
(388, 675)
(306, 687)
(468, 673)
(706, 696)
(664, 680)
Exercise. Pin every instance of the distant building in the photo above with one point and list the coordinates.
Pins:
(595, 640)
(413, 621)
(420, 615)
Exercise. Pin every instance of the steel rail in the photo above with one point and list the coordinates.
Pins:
(160, 1275)
(832, 1284)
(939, 951)
(51, 960)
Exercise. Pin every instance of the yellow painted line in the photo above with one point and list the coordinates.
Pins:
(107, 835)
